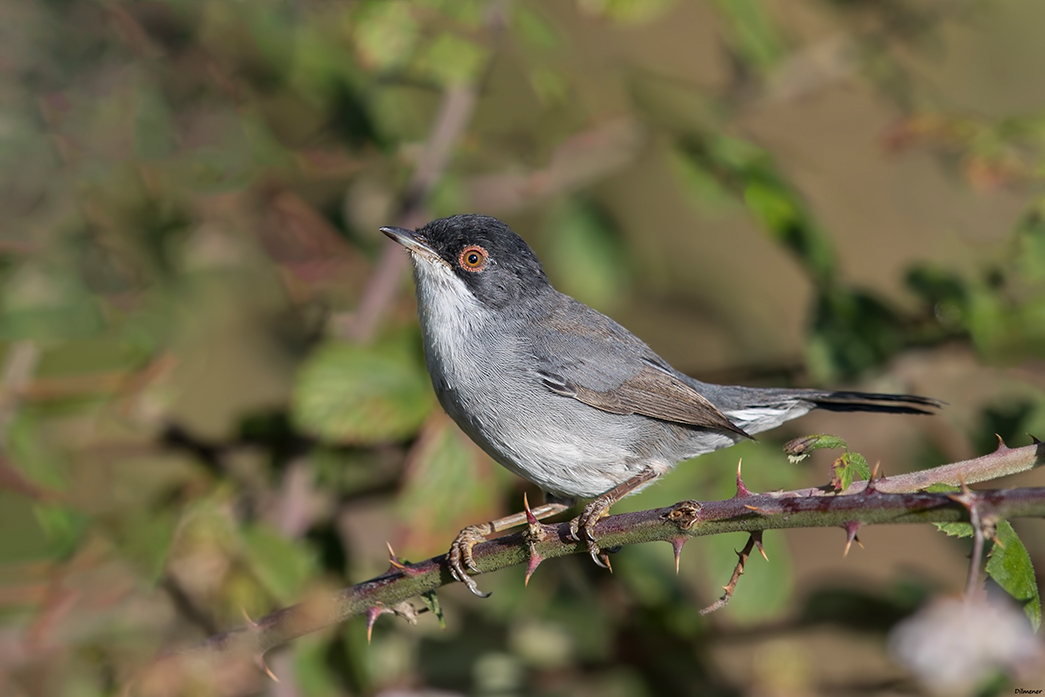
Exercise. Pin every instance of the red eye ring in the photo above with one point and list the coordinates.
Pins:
(473, 258)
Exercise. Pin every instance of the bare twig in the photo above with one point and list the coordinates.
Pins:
(454, 114)
(977, 553)
(971, 501)
(17, 371)
(738, 571)
(452, 119)
(577, 161)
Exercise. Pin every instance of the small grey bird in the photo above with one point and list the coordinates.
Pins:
(562, 395)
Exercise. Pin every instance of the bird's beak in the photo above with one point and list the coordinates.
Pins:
(412, 242)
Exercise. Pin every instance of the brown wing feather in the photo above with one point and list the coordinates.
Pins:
(658, 395)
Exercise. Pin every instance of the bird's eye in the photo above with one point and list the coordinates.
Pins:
(473, 258)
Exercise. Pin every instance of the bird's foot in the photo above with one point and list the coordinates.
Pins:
(581, 527)
(460, 555)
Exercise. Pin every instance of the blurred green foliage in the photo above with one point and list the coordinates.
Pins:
(193, 426)
(362, 395)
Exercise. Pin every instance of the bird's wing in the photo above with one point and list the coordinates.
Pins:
(649, 392)
(586, 356)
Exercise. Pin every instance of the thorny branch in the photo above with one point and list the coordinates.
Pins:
(893, 500)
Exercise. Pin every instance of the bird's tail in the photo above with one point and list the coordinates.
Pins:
(756, 410)
(873, 401)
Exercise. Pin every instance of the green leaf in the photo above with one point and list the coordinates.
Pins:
(47, 304)
(452, 60)
(701, 182)
(362, 395)
(313, 674)
(1030, 238)
(145, 538)
(532, 28)
(854, 330)
(955, 529)
(431, 601)
(799, 448)
(470, 13)
(749, 173)
(627, 11)
(772, 205)
(281, 565)
(1010, 566)
(841, 474)
(551, 86)
(385, 33)
(752, 31)
(859, 464)
(847, 466)
(64, 527)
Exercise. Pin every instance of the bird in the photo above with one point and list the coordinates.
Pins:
(562, 395)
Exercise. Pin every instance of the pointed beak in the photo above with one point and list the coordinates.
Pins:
(412, 241)
(408, 238)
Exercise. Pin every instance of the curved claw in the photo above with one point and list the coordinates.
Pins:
(581, 528)
(596, 555)
(460, 557)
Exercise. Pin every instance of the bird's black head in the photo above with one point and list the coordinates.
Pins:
(494, 263)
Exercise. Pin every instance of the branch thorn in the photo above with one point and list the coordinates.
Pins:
(535, 532)
(850, 536)
(677, 543)
(757, 537)
(1034, 439)
(871, 487)
(248, 619)
(372, 613)
(742, 490)
(260, 660)
(531, 566)
(393, 561)
(1001, 443)
(531, 519)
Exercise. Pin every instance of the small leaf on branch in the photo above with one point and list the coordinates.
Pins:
(799, 448)
(846, 467)
(955, 529)
(1010, 567)
(431, 601)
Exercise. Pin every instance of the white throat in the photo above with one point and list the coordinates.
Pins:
(450, 315)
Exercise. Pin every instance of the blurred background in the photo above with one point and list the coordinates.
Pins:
(212, 396)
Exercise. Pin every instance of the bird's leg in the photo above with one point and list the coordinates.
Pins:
(581, 526)
(460, 555)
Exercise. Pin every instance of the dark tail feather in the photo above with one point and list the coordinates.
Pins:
(870, 401)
